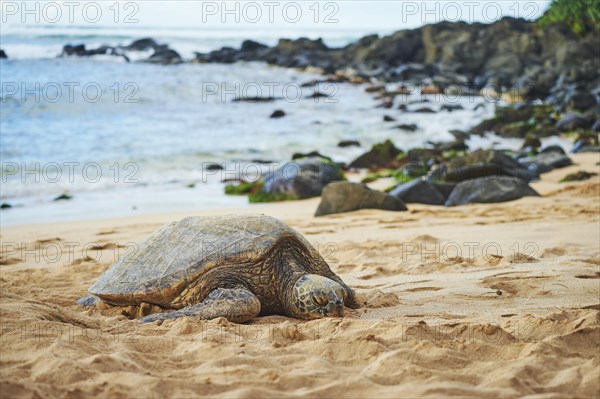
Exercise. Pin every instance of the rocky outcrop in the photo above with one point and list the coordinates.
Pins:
(511, 56)
(250, 51)
(552, 64)
(3, 54)
(80, 50)
(347, 197)
(162, 54)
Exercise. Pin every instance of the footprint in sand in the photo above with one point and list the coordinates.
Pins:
(553, 252)
(588, 276)
(79, 261)
(9, 261)
(591, 261)
(105, 233)
(520, 258)
(523, 285)
(379, 299)
(424, 238)
(419, 289)
(109, 245)
(48, 240)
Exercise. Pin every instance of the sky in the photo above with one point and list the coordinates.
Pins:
(271, 15)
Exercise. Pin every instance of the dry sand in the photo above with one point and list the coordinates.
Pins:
(498, 300)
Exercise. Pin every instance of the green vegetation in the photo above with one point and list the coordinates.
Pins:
(522, 121)
(255, 192)
(577, 176)
(410, 172)
(262, 196)
(371, 177)
(243, 188)
(381, 155)
(581, 16)
(453, 154)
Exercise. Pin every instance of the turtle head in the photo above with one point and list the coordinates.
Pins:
(316, 296)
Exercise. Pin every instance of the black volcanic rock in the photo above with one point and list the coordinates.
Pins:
(551, 63)
(342, 197)
(302, 179)
(485, 190)
(380, 155)
(277, 114)
(420, 192)
(408, 127)
(142, 44)
(348, 143)
(164, 56)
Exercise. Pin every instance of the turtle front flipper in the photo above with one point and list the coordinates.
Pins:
(236, 305)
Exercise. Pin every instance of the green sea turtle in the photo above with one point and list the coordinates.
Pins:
(236, 267)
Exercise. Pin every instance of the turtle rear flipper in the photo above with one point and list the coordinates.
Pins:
(88, 300)
(236, 305)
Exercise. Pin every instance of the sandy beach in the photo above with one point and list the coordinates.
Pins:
(488, 300)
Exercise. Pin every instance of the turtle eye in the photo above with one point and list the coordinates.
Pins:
(319, 299)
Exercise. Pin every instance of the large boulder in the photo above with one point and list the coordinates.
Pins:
(489, 190)
(301, 179)
(547, 161)
(483, 163)
(3, 54)
(379, 156)
(342, 197)
(420, 191)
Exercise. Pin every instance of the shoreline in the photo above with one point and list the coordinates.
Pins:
(543, 186)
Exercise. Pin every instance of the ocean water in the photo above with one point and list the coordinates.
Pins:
(129, 138)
